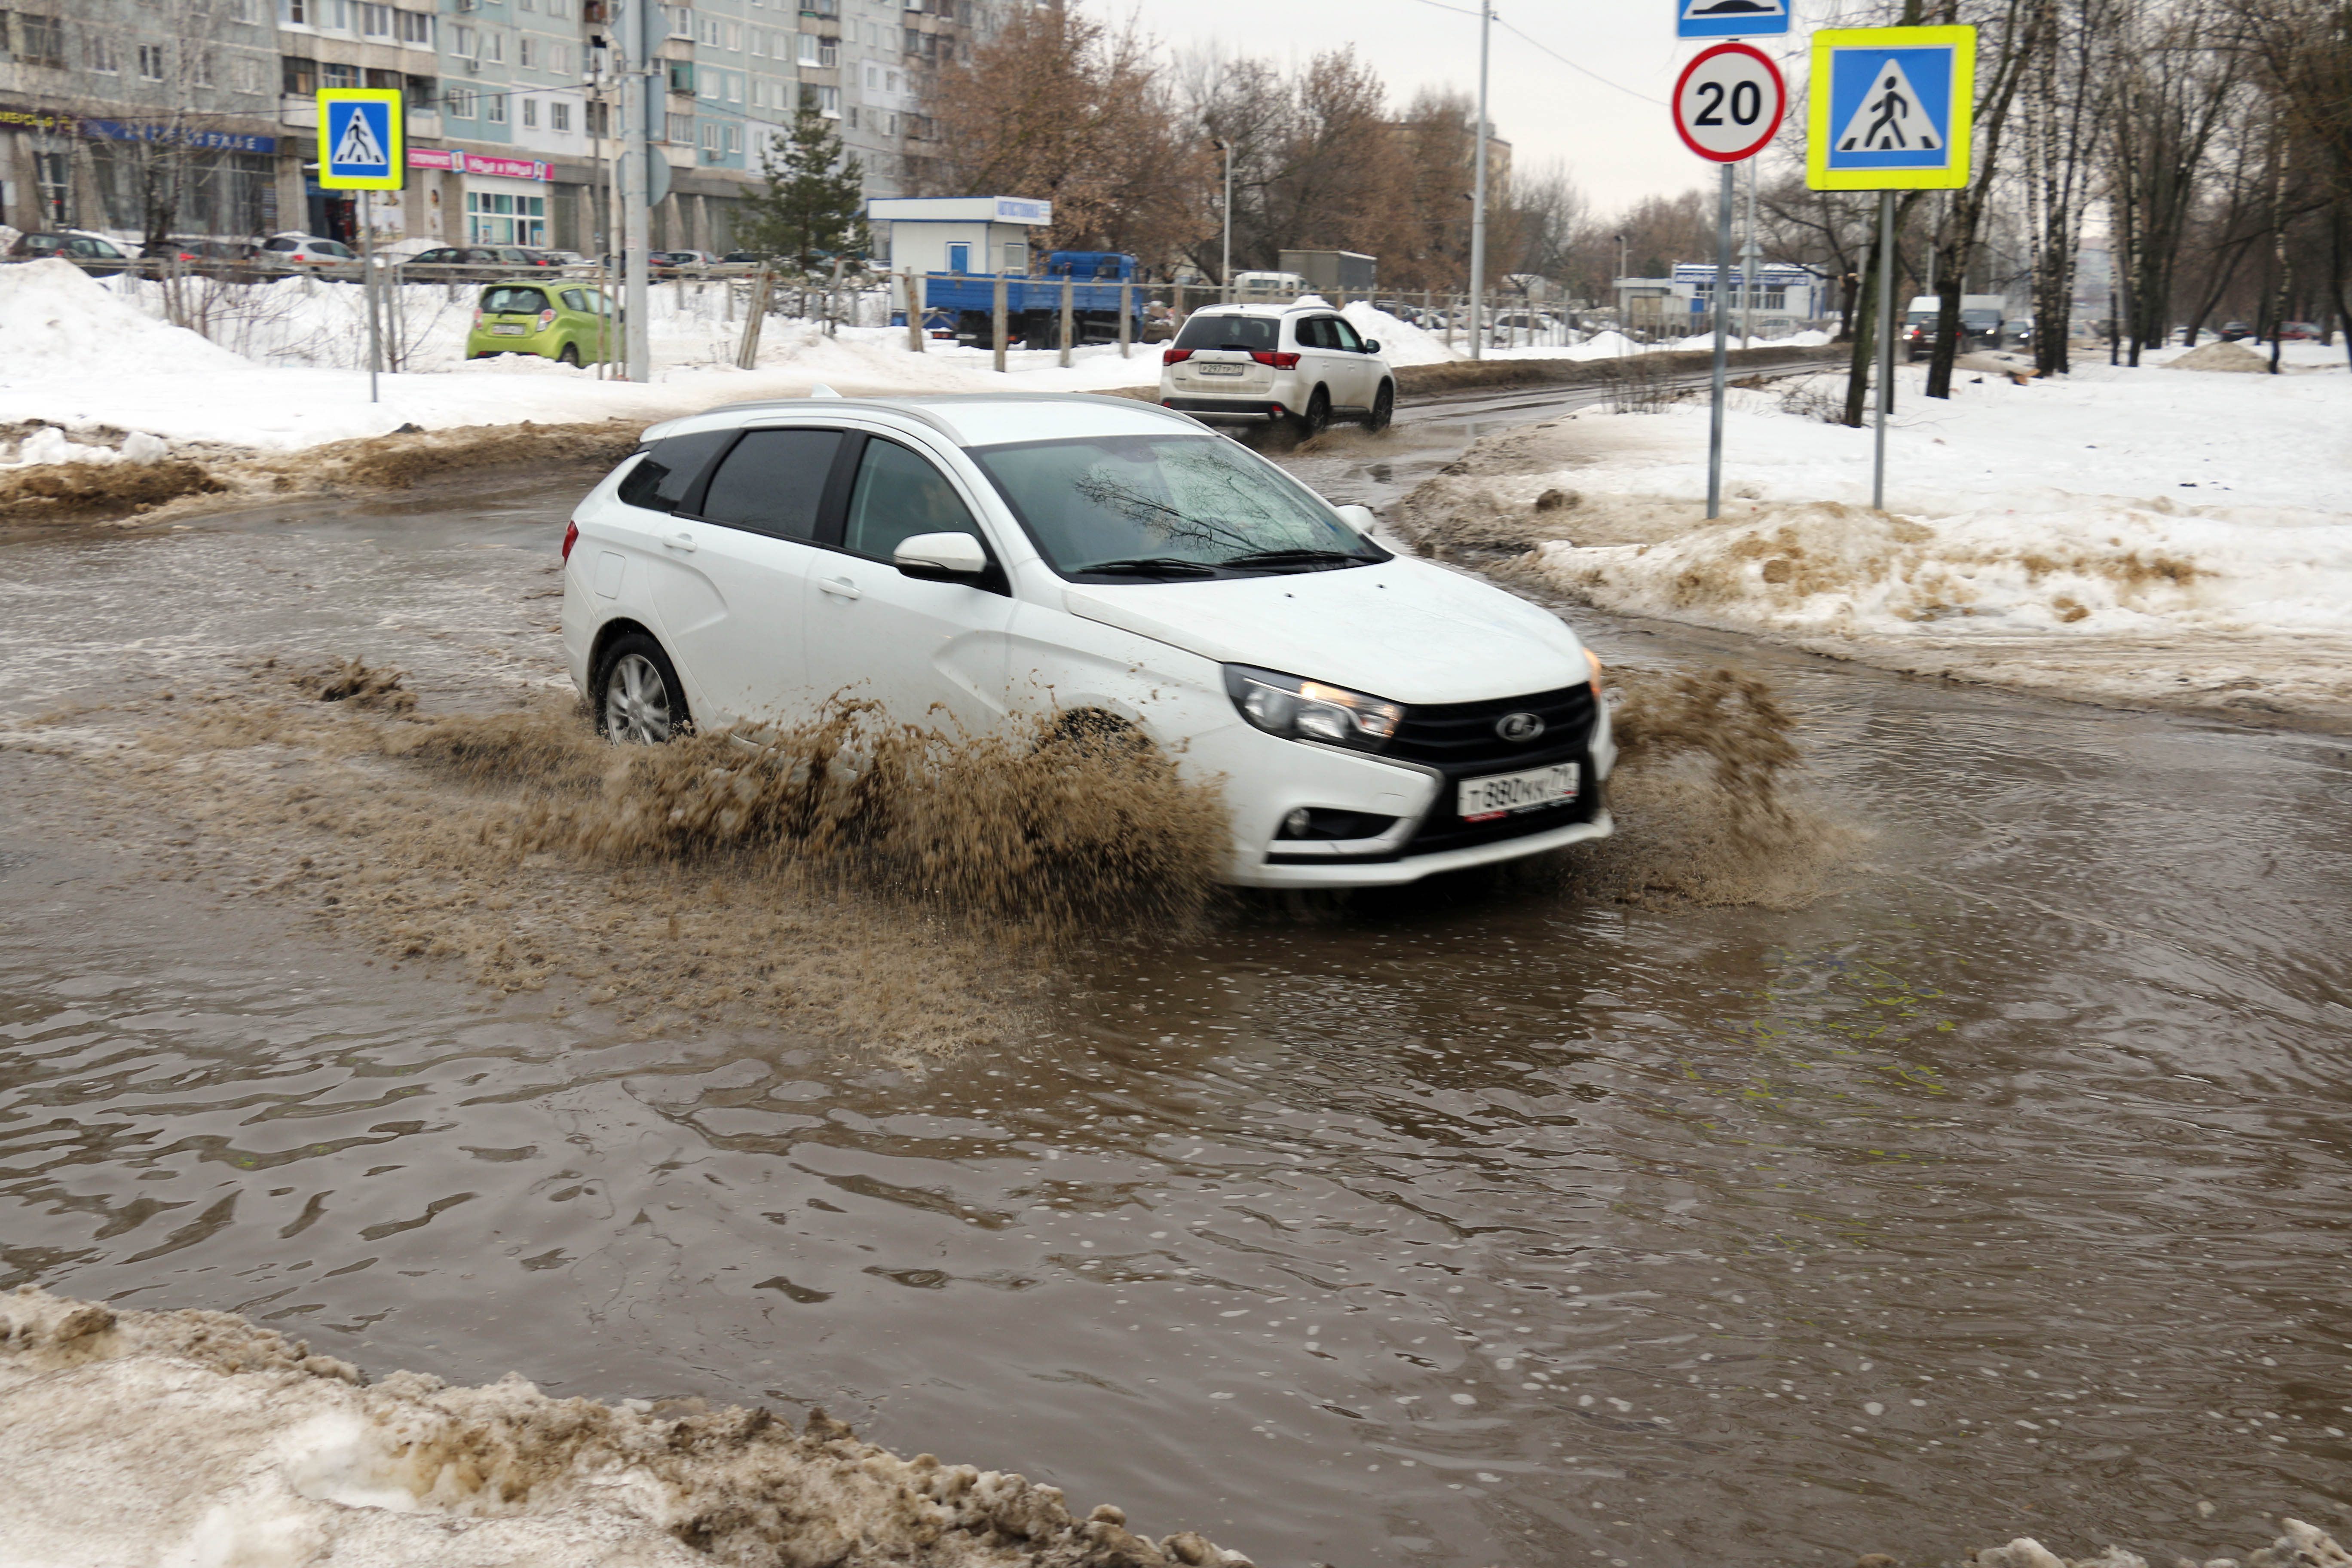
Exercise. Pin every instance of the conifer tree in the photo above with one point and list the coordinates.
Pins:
(815, 205)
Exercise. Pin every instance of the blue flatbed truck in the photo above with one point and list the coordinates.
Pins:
(965, 302)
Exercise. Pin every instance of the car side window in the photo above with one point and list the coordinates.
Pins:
(1310, 333)
(772, 481)
(668, 469)
(1343, 336)
(899, 495)
(574, 300)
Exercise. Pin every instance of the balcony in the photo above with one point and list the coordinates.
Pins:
(299, 111)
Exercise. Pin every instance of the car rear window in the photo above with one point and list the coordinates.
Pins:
(670, 466)
(513, 302)
(1256, 335)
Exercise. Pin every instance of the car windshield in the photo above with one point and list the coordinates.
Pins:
(1251, 334)
(1173, 504)
(513, 302)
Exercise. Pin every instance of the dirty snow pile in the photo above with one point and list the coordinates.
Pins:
(2150, 534)
(195, 1438)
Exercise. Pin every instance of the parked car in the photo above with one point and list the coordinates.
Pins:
(568, 322)
(2300, 332)
(99, 256)
(1265, 363)
(224, 261)
(563, 259)
(1269, 288)
(476, 263)
(1372, 719)
(2234, 331)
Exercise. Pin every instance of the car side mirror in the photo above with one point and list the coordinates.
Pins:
(941, 557)
(1372, 346)
(1359, 518)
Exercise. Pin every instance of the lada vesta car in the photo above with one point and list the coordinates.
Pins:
(1372, 718)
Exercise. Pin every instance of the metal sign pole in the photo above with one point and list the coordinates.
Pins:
(369, 294)
(1885, 345)
(1722, 336)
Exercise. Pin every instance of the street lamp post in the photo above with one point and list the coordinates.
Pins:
(1225, 273)
(1624, 326)
(1478, 198)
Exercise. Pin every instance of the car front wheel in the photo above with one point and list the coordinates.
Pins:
(639, 701)
(1383, 408)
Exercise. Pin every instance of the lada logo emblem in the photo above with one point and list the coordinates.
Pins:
(1518, 727)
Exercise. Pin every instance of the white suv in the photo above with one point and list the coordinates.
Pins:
(1373, 718)
(1259, 364)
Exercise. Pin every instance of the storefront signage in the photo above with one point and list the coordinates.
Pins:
(476, 163)
(12, 118)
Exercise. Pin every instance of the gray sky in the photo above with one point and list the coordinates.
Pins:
(1618, 147)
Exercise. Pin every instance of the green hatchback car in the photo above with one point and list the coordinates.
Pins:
(556, 319)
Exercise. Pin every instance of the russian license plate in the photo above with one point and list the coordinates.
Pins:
(1219, 369)
(507, 330)
(1505, 795)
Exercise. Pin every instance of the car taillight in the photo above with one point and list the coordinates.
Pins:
(570, 538)
(477, 315)
(546, 318)
(1279, 362)
(1175, 356)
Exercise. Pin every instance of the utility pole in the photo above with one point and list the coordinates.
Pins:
(1478, 198)
(1625, 326)
(1748, 269)
(1225, 277)
(640, 27)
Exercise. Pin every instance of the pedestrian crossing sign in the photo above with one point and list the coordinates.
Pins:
(362, 140)
(1890, 109)
(1730, 18)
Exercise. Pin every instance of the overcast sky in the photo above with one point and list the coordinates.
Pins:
(1618, 146)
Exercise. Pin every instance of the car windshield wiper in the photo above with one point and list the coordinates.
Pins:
(1152, 567)
(1297, 558)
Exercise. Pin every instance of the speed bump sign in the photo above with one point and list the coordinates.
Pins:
(1891, 109)
(362, 139)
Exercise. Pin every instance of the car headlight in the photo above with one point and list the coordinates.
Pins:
(1300, 709)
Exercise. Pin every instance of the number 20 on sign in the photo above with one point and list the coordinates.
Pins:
(1728, 103)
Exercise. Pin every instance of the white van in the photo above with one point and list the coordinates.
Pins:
(1269, 288)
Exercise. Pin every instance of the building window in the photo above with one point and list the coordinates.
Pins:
(250, 77)
(735, 36)
(828, 103)
(467, 46)
(99, 54)
(711, 82)
(297, 13)
(498, 44)
(853, 116)
(681, 128)
(710, 33)
(559, 116)
(527, 53)
(734, 87)
(334, 75)
(530, 114)
(681, 76)
(828, 53)
(416, 27)
(559, 59)
(493, 217)
(151, 62)
(734, 140)
(461, 102)
(710, 136)
(300, 77)
(681, 22)
(199, 67)
(561, 10)
(375, 21)
(495, 106)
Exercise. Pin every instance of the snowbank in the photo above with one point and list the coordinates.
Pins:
(196, 1438)
(2116, 533)
(57, 322)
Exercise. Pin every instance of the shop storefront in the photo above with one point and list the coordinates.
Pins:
(504, 198)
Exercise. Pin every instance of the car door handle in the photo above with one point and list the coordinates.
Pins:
(682, 539)
(839, 587)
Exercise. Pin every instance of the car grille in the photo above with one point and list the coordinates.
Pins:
(1460, 737)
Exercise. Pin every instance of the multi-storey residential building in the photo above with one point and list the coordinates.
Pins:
(128, 115)
(513, 109)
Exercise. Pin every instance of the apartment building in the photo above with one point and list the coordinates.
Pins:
(513, 109)
(112, 109)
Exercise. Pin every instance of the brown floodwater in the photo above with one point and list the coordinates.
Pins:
(2001, 1187)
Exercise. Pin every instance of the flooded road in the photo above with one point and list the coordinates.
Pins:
(2001, 1189)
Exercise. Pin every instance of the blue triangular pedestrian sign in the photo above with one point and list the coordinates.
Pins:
(358, 149)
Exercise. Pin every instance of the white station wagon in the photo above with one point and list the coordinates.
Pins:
(1373, 718)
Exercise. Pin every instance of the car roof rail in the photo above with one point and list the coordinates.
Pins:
(912, 406)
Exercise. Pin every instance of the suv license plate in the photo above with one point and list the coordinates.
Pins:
(1503, 795)
(1221, 369)
(503, 329)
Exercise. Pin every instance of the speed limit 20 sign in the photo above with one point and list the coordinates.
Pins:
(1728, 103)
